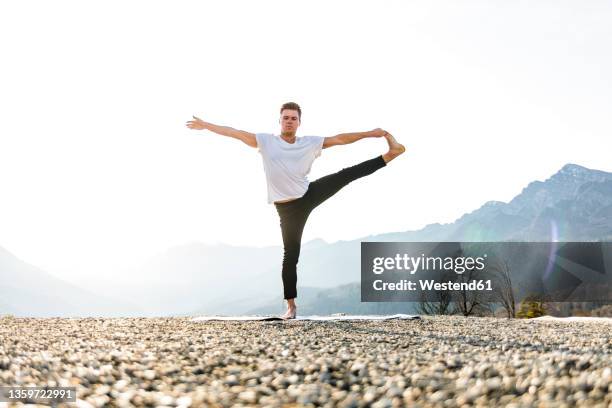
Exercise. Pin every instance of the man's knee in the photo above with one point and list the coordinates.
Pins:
(291, 255)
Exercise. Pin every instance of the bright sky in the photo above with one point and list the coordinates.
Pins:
(98, 171)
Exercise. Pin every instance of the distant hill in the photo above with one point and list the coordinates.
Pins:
(28, 291)
(574, 204)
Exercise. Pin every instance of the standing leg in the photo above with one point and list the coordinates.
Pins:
(293, 218)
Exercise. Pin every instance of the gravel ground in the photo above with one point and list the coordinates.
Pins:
(436, 361)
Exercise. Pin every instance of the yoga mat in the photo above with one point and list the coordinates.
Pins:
(589, 319)
(312, 317)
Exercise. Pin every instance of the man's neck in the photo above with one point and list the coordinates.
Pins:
(288, 137)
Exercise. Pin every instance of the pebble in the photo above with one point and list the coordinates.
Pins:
(435, 361)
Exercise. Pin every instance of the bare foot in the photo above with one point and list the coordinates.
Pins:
(290, 314)
(395, 148)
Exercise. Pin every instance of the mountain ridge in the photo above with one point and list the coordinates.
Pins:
(574, 204)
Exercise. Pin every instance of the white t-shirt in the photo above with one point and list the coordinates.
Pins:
(287, 164)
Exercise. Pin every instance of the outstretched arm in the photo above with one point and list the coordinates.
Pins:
(346, 138)
(246, 137)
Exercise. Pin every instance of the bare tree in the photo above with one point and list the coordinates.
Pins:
(438, 303)
(466, 302)
(503, 291)
(469, 302)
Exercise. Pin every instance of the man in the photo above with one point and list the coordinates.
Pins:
(287, 160)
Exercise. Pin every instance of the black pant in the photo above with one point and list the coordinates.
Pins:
(293, 214)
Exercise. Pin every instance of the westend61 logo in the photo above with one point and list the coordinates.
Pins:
(412, 264)
(486, 272)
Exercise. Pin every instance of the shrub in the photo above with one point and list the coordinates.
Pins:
(602, 311)
(529, 309)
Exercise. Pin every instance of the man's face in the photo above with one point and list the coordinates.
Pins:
(289, 120)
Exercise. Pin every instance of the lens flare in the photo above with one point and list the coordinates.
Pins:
(554, 238)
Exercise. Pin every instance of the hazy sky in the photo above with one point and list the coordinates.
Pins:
(98, 171)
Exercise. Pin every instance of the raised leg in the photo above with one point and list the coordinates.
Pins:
(325, 187)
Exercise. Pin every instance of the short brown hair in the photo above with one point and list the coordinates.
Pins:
(292, 106)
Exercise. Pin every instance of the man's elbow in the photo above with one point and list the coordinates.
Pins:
(333, 141)
(252, 142)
